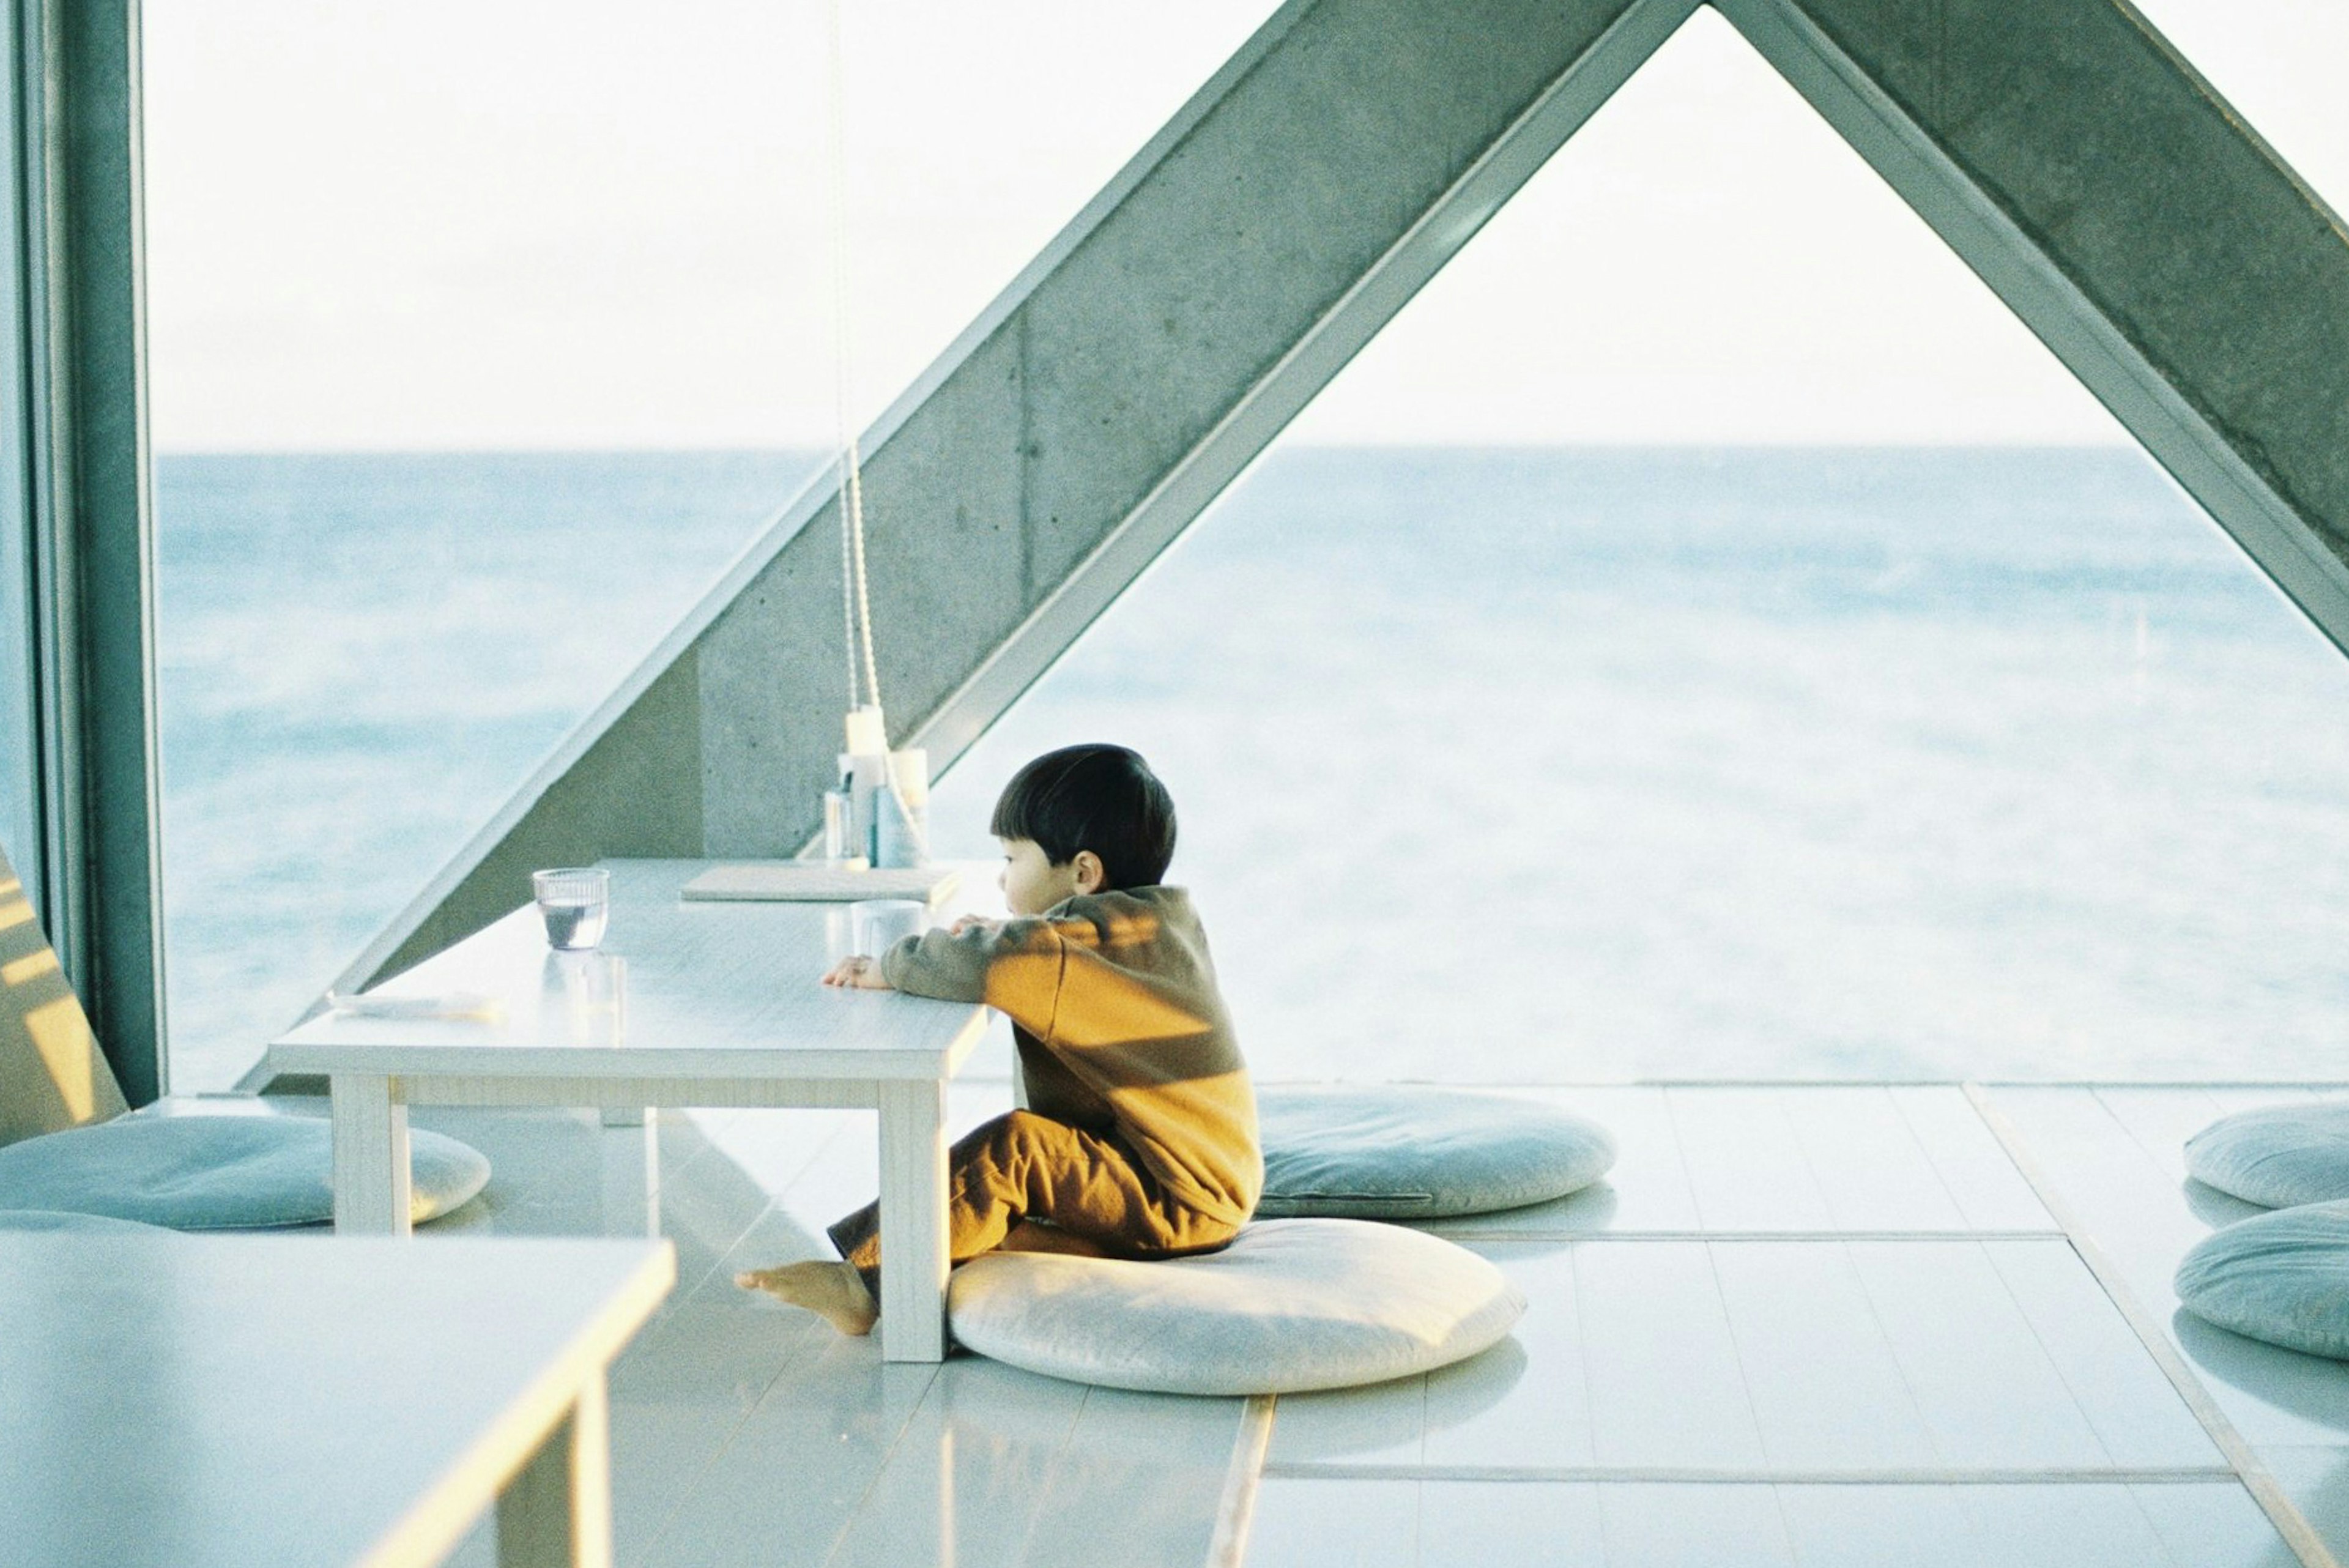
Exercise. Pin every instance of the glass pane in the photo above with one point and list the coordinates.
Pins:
(362, 657)
(597, 225)
(1832, 753)
(1706, 262)
(596, 233)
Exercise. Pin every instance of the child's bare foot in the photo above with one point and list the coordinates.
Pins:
(835, 1291)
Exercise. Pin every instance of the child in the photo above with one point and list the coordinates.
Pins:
(1140, 1137)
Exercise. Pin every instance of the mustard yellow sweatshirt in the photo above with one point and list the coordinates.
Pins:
(1112, 998)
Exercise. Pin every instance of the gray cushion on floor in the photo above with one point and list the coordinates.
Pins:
(2277, 1155)
(2280, 1277)
(1291, 1304)
(215, 1172)
(1399, 1152)
(50, 1219)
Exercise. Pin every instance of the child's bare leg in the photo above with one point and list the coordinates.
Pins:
(835, 1292)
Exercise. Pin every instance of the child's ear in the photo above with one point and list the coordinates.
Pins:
(1090, 877)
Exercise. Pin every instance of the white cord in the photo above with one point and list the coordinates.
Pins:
(856, 602)
(855, 596)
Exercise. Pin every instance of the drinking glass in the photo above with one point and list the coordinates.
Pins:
(881, 923)
(574, 902)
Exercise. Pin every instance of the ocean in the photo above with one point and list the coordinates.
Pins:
(1561, 764)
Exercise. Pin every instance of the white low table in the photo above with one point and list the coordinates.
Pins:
(192, 1401)
(706, 1004)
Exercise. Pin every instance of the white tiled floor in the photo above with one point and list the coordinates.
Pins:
(2115, 1156)
(1713, 1162)
(1807, 1326)
(1475, 1524)
(1778, 1357)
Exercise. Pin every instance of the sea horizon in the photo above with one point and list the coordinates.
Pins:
(1847, 762)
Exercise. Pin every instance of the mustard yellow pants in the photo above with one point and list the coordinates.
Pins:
(1090, 1187)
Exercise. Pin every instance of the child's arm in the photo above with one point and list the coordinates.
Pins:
(861, 973)
(1012, 965)
(957, 965)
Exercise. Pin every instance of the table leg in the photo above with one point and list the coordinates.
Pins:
(632, 1194)
(913, 1221)
(556, 1512)
(371, 1155)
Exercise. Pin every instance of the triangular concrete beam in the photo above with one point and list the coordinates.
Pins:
(1285, 215)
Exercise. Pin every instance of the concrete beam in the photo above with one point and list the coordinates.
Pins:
(1098, 406)
(2107, 194)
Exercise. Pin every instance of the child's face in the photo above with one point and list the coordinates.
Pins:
(1031, 883)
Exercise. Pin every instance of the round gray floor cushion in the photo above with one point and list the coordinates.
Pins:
(2280, 1277)
(215, 1172)
(1381, 1152)
(1291, 1304)
(2277, 1155)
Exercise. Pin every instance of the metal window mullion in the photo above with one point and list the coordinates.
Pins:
(88, 505)
(24, 761)
(55, 625)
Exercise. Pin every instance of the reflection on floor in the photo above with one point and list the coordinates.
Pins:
(1799, 1325)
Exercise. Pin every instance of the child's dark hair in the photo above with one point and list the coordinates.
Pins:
(1098, 797)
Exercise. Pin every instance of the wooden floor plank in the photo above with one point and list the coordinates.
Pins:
(1745, 1161)
(2161, 1119)
(1870, 1168)
(1385, 1423)
(1986, 1388)
(1334, 1524)
(1666, 1386)
(1139, 1479)
(965, 1484)
(2131, 1204)
(789, 1485)
(1483, 1524)
(1528, 1400)
(1974, 1170)
(1694, 1527)
(2210, 1526)
(2136, 1415)
(1826, 1389)
(1879, 1526)
(2063, 1527)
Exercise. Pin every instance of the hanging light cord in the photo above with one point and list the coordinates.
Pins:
(855, 601)
(855, 598)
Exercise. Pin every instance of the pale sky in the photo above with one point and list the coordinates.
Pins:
(518, 223)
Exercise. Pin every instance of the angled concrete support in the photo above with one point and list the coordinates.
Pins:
(2164, 253)
(1292, 207)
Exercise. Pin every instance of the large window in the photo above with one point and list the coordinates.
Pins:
(1706, 635)
(362, 657)
(484, 336)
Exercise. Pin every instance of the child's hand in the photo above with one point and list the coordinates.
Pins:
(859, 973)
